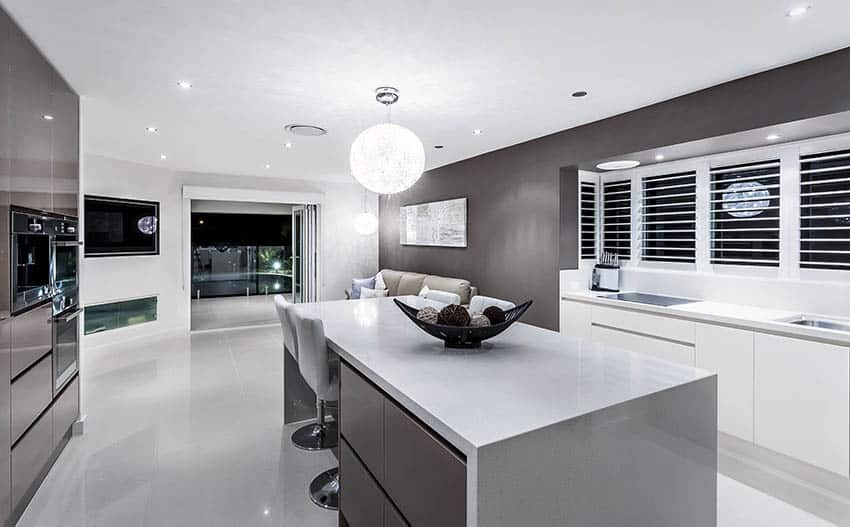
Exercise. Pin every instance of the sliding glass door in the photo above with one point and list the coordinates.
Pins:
(305, 253)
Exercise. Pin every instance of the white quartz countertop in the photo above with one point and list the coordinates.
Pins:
(525, 379)
(737, 315)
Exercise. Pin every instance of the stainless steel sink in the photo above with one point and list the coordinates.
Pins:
(821, 323)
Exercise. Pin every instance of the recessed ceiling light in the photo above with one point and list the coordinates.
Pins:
(287, 145)
(163, 157)
(477, 131)
(773, 137)
(438, 147)
(268, 166)
(622, 164)
(309, 130)
(659, 157)
(47, 117)
(799, 10)
(186, 85)
(580, 93)
(151, 129)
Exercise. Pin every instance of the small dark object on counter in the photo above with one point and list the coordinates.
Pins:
(428, 314)
(494, 314)
(453, 315)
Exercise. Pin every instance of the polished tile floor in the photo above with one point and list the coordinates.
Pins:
(186, 431)
(183, 431)
(233, 312)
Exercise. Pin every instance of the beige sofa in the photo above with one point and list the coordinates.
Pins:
(401, 283)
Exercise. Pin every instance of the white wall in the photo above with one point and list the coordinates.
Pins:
(240, 207)
(345, 254)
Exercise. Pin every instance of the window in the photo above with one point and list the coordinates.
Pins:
(616, 219)
(745, 214)
(825, 210)
(669, 218)
(588, 220)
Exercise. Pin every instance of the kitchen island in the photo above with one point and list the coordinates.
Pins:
(534, 428)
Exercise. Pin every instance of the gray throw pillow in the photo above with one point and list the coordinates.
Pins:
(357, 283)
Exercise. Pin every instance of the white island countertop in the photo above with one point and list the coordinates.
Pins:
(555, 431)
(524, 379)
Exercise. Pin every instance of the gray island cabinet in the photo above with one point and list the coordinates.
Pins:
(535, 429)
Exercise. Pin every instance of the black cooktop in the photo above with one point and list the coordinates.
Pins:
(655, 300)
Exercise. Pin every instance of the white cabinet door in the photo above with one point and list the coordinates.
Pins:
(575, 319)
(802, 400)
(658, 326)
(728, 352)
(662, 349)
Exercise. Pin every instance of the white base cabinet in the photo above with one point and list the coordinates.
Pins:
(663, 349)
(575, 319)
(729, 353)
(802, 400)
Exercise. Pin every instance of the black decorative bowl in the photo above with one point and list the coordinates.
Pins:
(463, 336)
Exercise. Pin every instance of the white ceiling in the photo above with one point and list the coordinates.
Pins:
(506, 67)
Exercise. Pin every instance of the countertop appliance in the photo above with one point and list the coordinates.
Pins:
(606, 274)
(654, 300)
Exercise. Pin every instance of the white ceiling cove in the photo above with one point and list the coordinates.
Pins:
(505, 67)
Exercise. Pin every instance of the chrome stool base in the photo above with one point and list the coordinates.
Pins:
(324, 489)
(316, 437)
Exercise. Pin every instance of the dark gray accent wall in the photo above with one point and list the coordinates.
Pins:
(514, 207)
(569, 218)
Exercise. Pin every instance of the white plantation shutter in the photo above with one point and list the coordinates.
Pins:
(745, 214)
(616, 217)
(588, 220)
(825, 210)
(669, 218)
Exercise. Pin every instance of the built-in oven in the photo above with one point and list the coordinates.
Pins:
(31, 259)
(65, 247)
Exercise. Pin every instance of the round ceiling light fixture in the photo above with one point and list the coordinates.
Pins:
(623, 164)
(307, 130)
(387, 158)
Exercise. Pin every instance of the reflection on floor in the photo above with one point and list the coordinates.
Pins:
(186, 431)
(233, 312)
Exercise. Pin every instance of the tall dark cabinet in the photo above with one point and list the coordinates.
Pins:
(39, 169)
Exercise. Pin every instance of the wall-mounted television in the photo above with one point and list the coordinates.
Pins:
(120, 227)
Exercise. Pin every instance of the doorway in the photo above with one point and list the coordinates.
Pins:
(242, 254)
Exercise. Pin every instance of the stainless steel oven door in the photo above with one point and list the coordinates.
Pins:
(30, 270)
(66, 250)
(66, 347)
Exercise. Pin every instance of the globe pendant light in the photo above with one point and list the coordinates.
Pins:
(387, 158)
(365, 223)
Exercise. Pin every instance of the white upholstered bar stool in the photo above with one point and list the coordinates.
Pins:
(480, 302)
(314, 362)
(282, 305)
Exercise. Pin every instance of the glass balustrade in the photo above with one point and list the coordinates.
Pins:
(240, 270)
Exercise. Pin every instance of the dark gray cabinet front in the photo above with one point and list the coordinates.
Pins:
(32, 337)
(5, 421)
(32, 392)
(394, 471)
(30, 123)
(65, 158)
(361, 419)
(361, 499)
(30, 456)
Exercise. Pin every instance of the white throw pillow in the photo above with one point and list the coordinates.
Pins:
(440, 296)
(365, 292)
(379, 282)
(424, 291)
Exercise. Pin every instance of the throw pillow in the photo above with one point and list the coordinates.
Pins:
(379, 281)
(358, 283)
(366, 292)
(443, 296)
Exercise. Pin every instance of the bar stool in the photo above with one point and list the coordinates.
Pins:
(315, 366)
(290, 344)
